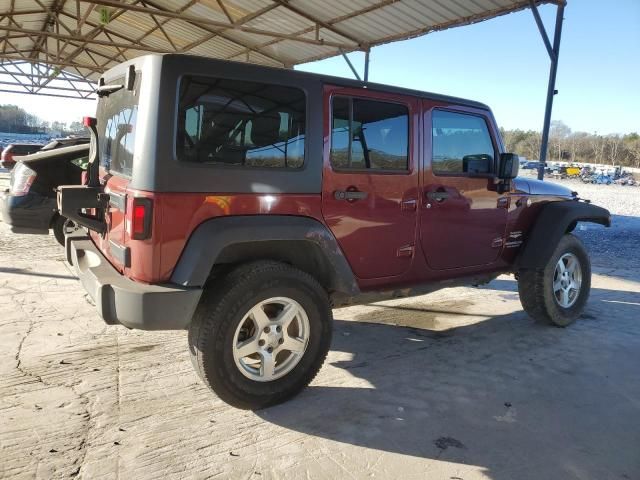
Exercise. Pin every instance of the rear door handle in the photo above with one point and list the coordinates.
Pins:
(437, 196)
(349, 195)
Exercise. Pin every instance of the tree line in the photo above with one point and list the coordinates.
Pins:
(14, 119)
(582, 147)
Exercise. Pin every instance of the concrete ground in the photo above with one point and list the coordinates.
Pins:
(459, 384)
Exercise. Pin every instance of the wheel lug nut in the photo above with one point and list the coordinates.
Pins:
(278, 328)
(261, 342)
(270, 349)
(267, 329)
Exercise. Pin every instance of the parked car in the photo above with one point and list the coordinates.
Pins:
(602, 179)
(29, 205)
(14, 151)
(573, 172)
(244, 202)
(531, 166)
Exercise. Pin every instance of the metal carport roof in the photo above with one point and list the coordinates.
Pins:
(60, 47)
(75, 40)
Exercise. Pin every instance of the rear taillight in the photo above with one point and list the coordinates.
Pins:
(141, 215)
(22, 178)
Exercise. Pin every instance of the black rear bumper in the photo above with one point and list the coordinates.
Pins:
(120, 300)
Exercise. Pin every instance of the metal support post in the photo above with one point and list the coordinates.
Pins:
(366, 66)
(554, 53)
(355, 72)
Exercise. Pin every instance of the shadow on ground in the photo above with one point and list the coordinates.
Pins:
(519, 399)
(26, 271)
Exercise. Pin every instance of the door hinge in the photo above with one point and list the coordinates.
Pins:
(409, 204)
(405, 251)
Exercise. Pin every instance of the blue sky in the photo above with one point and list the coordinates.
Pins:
(504, 63)
(501, 62)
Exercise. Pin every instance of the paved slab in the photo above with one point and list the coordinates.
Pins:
(455, 385)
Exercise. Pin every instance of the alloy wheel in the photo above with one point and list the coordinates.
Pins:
(567, 280)
(271, 339)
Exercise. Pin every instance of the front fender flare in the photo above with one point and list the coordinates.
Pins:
(211, 239)
(553, 221)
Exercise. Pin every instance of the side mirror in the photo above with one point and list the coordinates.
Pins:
(509, 166)
(477, 165)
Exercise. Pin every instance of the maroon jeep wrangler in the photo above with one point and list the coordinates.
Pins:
(242, 203)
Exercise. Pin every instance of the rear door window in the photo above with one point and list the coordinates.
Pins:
(231, 123)
(369, 135)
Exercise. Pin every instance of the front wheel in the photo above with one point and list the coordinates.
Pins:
(557, 293)
(260, 334)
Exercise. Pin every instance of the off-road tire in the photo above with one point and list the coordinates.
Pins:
(224, 304)
(535, 286)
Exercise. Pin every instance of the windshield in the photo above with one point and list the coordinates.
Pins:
(117, 115)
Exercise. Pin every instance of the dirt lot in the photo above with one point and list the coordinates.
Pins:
(455, 385)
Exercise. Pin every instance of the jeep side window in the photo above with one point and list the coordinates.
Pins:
(239, 123)
(456, 136)
(368, 134)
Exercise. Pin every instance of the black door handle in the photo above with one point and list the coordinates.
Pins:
(349, 195)
(437, 196)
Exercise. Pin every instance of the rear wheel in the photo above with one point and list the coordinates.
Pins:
(557, 293)
(260, 334)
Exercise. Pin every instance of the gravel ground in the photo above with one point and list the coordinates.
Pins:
(618, 199)
(618, 246)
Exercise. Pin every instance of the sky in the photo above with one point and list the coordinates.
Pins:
(501, 62)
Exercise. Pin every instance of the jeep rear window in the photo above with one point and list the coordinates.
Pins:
(116, 116)
(225, 122)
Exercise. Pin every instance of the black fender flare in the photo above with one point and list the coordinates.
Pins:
(553, 221)
(302, 241)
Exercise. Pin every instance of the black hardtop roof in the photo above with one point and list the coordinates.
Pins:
(345, 82)
(254, 71)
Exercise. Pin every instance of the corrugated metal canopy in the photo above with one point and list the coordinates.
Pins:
(44, 42)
